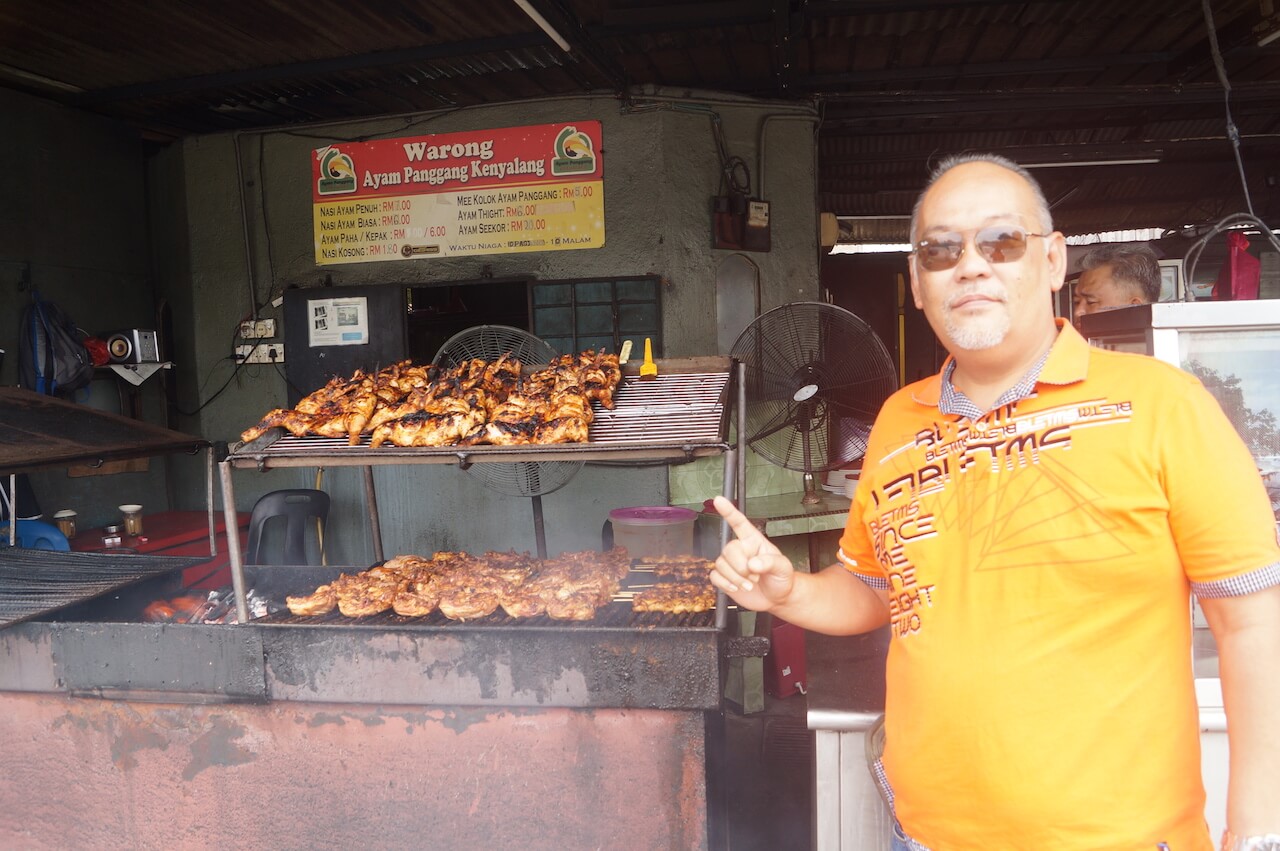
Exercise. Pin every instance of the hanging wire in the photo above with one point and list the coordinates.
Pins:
(734, 172)
(1233, 220)
(1233, 132)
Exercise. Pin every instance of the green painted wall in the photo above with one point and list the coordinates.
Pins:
(74, 224)
(231, 213)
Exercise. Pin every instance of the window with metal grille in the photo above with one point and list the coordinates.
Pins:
(598, 313)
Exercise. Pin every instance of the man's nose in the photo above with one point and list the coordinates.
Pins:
(1079, 310)
(972, 264)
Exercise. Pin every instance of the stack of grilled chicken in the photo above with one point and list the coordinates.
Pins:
(464, 587)
(477, 402)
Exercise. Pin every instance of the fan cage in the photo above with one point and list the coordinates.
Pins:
(490, 342)
(816, 376)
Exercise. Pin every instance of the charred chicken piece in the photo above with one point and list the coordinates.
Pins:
(424, 429)
(363, 595)
(563, 430)
(675, 598)
(682, 568)
(274, 417)
(417, 598)
(320, 602)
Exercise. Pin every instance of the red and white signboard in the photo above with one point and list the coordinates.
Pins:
(536, 188)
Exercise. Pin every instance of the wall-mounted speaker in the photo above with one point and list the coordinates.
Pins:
(132, 345)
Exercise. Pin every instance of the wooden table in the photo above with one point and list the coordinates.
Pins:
(177, 533)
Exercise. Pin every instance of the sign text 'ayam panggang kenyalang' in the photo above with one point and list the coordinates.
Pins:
(535, 188)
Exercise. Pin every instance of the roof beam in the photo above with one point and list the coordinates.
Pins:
(678, 16)
(582, 42)
(914, 104)
(1021, 68)
(317, 68)
(850, 8)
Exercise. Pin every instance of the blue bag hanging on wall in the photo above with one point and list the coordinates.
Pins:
(52, 357)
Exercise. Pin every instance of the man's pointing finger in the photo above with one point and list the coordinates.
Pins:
(738, 522)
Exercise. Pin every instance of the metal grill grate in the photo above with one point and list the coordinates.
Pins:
(674, 408)
(35, 582)
(671, 407)
(613, 617)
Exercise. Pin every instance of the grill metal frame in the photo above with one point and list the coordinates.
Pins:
(678, 415)
(681, 415)
(38, 582)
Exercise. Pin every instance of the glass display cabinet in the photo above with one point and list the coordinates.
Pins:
(1233, 347)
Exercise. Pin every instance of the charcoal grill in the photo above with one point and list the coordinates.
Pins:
(38, 582)
(613, 617)
(275, 582)
(41, 432)
(681, 415)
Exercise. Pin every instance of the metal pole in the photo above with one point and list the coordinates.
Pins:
(742, 436)
(539, 527)
(233, 543)
(375, 525)
(730, 482)
(208, 502)
(12, 503)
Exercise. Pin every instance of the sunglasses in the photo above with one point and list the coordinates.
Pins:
(999, 244)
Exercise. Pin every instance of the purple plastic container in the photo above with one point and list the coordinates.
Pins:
(653, 530)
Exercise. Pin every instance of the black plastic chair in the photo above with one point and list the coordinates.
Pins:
(297, 507)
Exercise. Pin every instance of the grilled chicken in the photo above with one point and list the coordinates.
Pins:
(322, 601)
(682, 568)
(475, 402)
(362, 595)
(423, 429)
(572, 586)
(675, 598)
(417, 598)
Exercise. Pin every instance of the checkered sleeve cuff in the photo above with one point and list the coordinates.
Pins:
(1239, 586)
(880, 583)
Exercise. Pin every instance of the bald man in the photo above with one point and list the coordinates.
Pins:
(1030, 523)
(1116, 276)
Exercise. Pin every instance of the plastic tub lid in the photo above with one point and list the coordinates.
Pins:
(652, 515)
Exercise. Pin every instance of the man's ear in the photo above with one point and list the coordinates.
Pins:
(1136, 300)
(1056, 257)
(915, 284)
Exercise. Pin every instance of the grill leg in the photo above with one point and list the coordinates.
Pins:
(539, 528)
(375, 524)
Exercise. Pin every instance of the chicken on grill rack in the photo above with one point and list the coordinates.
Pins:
(463, 587)
(474, 403)
(682, 584)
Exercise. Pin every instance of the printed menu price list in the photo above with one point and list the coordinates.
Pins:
(491, 221)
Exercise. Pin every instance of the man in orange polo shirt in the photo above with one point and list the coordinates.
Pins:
(1030, 523)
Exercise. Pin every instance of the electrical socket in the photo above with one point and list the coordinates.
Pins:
(257, 329)
(260, 353)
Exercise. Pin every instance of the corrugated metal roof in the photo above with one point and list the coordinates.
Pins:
(900, 83)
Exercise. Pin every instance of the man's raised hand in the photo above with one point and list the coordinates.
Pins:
(751, 569)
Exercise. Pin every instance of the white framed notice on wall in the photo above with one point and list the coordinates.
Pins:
(338, 321)
(1171, 288)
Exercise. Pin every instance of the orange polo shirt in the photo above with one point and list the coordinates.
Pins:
(1038, 562)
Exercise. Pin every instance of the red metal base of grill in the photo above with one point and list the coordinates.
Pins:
(291, 775)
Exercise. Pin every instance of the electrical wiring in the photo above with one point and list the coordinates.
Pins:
(234, 372)
(1229, 222)
(1233, 132)
(1233, 220)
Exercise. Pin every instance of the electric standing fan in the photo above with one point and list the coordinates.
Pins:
(815, 378)
(521, 478)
